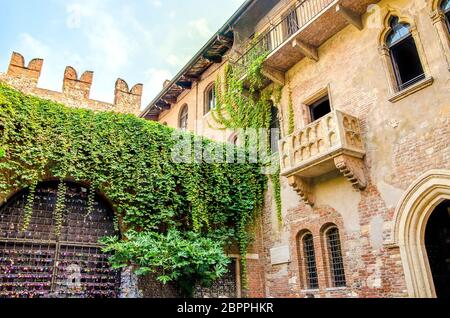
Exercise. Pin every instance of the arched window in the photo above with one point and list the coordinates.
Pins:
(335, 257)
(210, 99)
(309, 259)
(274, 130)
(445, 7)
(184, 116)
(405, 57)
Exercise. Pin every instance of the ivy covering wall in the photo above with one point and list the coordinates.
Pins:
(244, 101)
(179, 218)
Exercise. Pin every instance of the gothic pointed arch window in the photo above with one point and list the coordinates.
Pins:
(184, 117)
(404, 54)
(445, 7)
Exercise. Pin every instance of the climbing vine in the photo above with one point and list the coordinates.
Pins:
(291, 119)
(206, 206)
(243, 103)
(90, 202)
(28, 210)
(58, 213)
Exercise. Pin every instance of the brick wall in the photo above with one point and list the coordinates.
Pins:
(403, 139)
(75, 91)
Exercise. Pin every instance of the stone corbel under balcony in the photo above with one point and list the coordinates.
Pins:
(353, 169)
(303, 187)
(274, 75)
(329, 144)
(352, 17)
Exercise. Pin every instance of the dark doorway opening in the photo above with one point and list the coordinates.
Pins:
(437, 241)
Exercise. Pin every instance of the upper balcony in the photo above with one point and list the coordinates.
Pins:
(333, 142)
(300, 31)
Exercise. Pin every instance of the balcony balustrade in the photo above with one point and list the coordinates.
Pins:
(333, 142)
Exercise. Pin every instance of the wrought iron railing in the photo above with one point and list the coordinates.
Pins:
(286, 26)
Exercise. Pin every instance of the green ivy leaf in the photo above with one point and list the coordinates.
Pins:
(187, 213)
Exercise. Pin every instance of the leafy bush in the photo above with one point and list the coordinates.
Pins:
(130, 161)
(182, 257)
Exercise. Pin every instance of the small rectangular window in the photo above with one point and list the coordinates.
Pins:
(320, 108)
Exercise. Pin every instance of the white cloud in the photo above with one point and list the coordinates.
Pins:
(174, 60)
(156, 3)
(32, 47)
(199, 27)
(117, 39)
(154, 83)
(55, 61)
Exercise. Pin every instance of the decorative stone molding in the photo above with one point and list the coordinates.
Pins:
(408, 231)
(353, 169)
(385, 55)
(440, 24)
(411, 89)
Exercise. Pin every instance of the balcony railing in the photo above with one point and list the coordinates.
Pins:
(310, 152)
(291, 22)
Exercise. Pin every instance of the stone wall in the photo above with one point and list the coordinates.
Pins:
(76, 90)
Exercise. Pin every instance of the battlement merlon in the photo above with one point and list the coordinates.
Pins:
(17, 68)
(74, 86)
(123, 96)
(75, 90)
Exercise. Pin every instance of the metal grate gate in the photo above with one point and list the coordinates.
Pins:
(37, 263)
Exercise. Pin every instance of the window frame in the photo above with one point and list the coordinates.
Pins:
(305, 261)
(211, 88)
(315, 105)
(401, 86)
(333, 281)
(183, 118)
(318, 96)
(395, 94)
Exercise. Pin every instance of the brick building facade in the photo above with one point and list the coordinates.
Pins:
(367, 170)
(351, 177)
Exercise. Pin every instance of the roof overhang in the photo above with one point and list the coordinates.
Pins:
(211, 53)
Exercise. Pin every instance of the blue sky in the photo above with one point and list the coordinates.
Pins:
(144, 41)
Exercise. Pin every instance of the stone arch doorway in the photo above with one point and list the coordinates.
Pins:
(38, 263)
(420, 202)
(437, 243)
